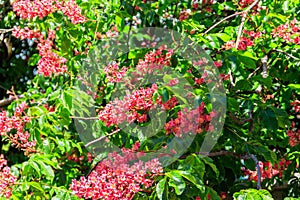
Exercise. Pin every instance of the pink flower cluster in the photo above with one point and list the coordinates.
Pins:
(113, 32)
(245, 41)
(116, 179)
(17, 123)
(154, 61)
(27, 9)
(50, 63)
(72, 10)
(289, 32)
(7, 180)
(127, 109)
(190, 121)
(294, 135)
(267, 170)
(243, 44)
(168, 105)
(113, 74)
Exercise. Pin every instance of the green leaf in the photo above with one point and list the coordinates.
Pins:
(34, 59)
(252, 194)
(222, 36)
(243, 85)
(193, 179)
(282, 117)
(266, 153)
(295, 87)
(176, 181)
(160, 187)
(268, 119)
(28, 166)
(214, 41)
(249, 62)
(36, 186)
(67, 100)
(46, 170)
(209, 162)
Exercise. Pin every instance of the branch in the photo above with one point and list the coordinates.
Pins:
(264, 61)
(240, 31)
(244, 15)
(258, 171)
(101, 138)
(6, 102)
(6, 30)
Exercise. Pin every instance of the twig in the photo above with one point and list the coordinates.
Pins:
(101, 138)
(285, 53)
(84, 118)
(240, 30)
(238, 121)
(221, 153)
(250, 75)
(228, 17)
(244, 15)
(258, 171)
(5, 102)
(6, 30)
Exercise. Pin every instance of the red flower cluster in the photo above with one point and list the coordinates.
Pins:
(17, 123)
(288, 32)
(294, 135)
(217, 64)
(6, 178)
(296, 106)
(29, 9)
(245, 3)
(204, 3)
(50, 63)
(190, 121)
(267, 170)
(115, 179)
(127, 109)
(113, 74)
(185, 14)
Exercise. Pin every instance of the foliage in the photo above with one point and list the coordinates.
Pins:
(254, 48)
